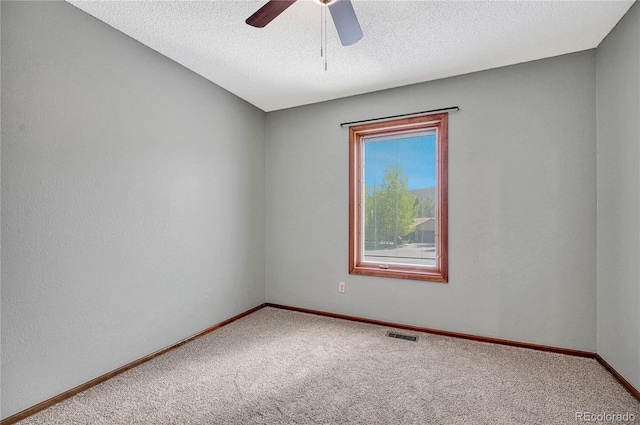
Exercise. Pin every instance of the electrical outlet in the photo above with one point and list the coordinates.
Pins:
(341, 287)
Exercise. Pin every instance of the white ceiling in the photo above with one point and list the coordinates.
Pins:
(404, 42)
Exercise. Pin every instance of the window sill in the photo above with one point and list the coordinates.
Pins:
(412, 273)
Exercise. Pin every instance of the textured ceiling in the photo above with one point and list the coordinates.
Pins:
(404, 42)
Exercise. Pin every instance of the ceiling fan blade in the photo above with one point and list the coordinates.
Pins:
(268, 12)
(344, 17)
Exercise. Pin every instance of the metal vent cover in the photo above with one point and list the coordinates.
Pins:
(402, 336)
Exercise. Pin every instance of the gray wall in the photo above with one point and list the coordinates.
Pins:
(132, 201)
(522, 206)
(618, 82)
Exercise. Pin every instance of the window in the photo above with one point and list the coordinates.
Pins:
(398, 198)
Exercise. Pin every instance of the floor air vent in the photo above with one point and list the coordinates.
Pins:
(401, 336)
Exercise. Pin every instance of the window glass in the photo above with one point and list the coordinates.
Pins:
(400, 198)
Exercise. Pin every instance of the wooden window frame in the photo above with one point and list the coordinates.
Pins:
(439, 273)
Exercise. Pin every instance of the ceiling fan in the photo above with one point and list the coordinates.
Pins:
(344, 17)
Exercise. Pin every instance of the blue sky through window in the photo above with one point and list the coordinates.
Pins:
(415, 155)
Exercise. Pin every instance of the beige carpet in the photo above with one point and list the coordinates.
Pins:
(281, 367)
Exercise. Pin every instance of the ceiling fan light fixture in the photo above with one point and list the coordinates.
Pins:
(325, 2)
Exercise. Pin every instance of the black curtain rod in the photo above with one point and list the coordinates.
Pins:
(452, 108)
